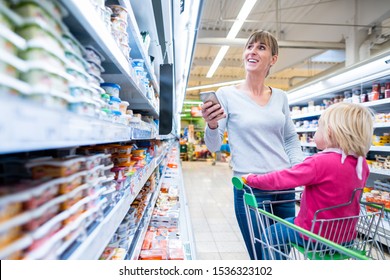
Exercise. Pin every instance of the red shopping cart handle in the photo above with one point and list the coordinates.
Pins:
(238, 183)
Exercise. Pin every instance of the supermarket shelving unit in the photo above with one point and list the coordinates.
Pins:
(30, 127)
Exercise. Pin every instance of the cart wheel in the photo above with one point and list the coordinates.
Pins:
(238, 183)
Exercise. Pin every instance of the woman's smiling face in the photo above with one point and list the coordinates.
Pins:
(258, 57)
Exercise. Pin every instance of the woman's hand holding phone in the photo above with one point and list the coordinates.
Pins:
(212, 113)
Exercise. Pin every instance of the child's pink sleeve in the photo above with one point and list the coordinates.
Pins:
(299, 175)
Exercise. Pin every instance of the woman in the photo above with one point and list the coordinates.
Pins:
(262, 136)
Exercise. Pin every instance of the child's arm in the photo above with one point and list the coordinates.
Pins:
(299, 175)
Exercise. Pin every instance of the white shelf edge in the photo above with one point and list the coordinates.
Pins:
(366, 104)
(382, 125)
(302, 130)
(380, 148)
(379, 171)
(184, 222)
(373, 148)
(56, 129)
(306, 115)
(376, 125)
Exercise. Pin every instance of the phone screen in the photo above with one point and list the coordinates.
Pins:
(209, 96)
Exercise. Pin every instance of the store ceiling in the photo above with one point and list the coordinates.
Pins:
(316, 37)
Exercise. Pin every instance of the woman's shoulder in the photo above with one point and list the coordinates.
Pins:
(226, 92)
(279, 92)
(227, 89)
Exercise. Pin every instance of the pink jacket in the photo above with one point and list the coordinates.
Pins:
(327, 182)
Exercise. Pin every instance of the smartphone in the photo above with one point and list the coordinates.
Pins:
(209, 96)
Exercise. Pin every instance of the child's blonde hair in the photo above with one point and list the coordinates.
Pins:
(349, 127)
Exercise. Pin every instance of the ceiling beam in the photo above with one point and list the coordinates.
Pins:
(282, 44)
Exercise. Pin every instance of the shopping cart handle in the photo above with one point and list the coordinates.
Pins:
(238, 183)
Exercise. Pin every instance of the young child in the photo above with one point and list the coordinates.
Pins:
(344, 135)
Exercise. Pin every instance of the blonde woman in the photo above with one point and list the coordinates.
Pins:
(262, 136)
(344, 135)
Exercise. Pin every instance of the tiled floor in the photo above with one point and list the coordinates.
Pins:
(210, 201)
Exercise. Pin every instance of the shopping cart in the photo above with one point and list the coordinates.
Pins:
(383, 235)
(351, 237)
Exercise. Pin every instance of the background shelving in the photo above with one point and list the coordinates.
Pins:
(31, 127)
(83, 21)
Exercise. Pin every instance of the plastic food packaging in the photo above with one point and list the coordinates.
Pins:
(53, 168)
(118, 24)
(34, 28)
(119, 11)
(156, 254)
(45, 77)
(91, 54)
(125, 149)
(119, 254)
(123, 107)
(115, 102)
(72, 45)
(33, 9)
(111, 89)
(10, 42)
(37, 50)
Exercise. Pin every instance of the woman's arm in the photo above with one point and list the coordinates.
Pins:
(213, 137)
(292, 145)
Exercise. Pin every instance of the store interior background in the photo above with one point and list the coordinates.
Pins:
(317, 39)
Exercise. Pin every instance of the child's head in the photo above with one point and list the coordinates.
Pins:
(346, 126)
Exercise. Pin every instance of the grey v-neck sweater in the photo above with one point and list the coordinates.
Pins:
(261, 138)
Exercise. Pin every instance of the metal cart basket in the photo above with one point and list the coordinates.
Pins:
(352, 237)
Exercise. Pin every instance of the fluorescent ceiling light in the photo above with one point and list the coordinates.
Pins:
(242, 15)
(215, 85)
(222, 51)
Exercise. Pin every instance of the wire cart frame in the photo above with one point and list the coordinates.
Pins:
(353, 237)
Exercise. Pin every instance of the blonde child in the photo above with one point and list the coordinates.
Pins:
(344, 135)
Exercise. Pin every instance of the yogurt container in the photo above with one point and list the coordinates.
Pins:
(11, 42)
(33, 9)
(37, 50)
(37, 28)
(42, 77)
(123, 107)
(72, 45)
(111, 89)
(115, 102)
(91, 54)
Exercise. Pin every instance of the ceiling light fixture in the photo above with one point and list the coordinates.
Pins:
(242, 16)
(215, 85)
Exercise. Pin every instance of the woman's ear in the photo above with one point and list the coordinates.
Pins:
(274, 59)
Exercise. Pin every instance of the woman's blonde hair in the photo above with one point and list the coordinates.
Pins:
(266, 38)
(349, 127)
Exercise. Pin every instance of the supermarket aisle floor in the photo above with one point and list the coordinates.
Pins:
(210, 201)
